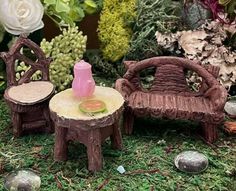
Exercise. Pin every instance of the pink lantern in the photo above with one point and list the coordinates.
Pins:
(83, 84)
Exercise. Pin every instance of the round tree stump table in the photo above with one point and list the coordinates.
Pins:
(91, 130)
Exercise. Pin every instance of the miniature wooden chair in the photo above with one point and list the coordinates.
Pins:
(28, 100)
(169, 95)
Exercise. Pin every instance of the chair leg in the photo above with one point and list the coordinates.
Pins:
(209, 132)
(128, 121)
(17, 124)
(49, 124)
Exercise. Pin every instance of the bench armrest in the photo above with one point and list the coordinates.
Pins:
(218, 96)
(124, 87)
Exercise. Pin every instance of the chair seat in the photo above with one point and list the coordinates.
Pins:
(30, 93)
(171, 106)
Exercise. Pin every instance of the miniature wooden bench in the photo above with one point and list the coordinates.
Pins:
(169, 96)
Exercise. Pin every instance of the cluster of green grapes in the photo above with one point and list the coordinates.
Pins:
(65, 49)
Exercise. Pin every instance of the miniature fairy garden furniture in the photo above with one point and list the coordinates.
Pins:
(71, 124)
(28, 100)
(169, 96)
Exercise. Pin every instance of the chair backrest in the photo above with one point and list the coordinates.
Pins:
(15, 54)
(169, 74)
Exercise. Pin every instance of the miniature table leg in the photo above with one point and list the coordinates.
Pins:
(116, 140)
(94, 150)
(60, 148)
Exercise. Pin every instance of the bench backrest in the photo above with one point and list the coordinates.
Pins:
(169, 76)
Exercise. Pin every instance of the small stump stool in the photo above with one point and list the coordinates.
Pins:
(73, 125)
(29, 106)
(28, 99)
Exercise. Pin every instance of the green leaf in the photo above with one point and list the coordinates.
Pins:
(231, 7)
(2, 32)
(76, 14)
(73, 3)
(90, 3)
(62, 7)
(224, 2)
(66, 18)
(90, 6)
(50, 2)
(2, 86)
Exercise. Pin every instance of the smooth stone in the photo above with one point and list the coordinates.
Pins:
(191, 162)
(195, 14)
(230, 107)
(22, 180)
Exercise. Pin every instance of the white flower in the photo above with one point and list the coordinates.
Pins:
(21, 16)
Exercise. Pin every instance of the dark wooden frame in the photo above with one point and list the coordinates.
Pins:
(170, 83)
(27, 117)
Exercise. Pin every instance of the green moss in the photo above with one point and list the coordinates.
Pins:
(147, 157)
(114, 28)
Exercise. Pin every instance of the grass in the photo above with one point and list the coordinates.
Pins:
(147, 158)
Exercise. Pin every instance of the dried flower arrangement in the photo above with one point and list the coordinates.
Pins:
(207, 44)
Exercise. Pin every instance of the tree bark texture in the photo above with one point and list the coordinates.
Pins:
(28, 115)
(91, 136)
(169, 95)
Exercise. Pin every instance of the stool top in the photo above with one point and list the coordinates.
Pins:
(30, 93)
(66, 105)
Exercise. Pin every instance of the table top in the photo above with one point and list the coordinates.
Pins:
(31, 92)
(66, 105)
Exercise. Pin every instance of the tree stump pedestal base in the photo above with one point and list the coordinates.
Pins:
(73, 125)
(92, 139)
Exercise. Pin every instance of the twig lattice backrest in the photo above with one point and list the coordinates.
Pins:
(10, 58)
(169, 73)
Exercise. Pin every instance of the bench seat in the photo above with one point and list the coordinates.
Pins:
(173, 107)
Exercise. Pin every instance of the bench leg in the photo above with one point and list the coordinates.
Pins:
(60, 148)
(209, 132)
(128, 121)
(116, 140)
(94, 150)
